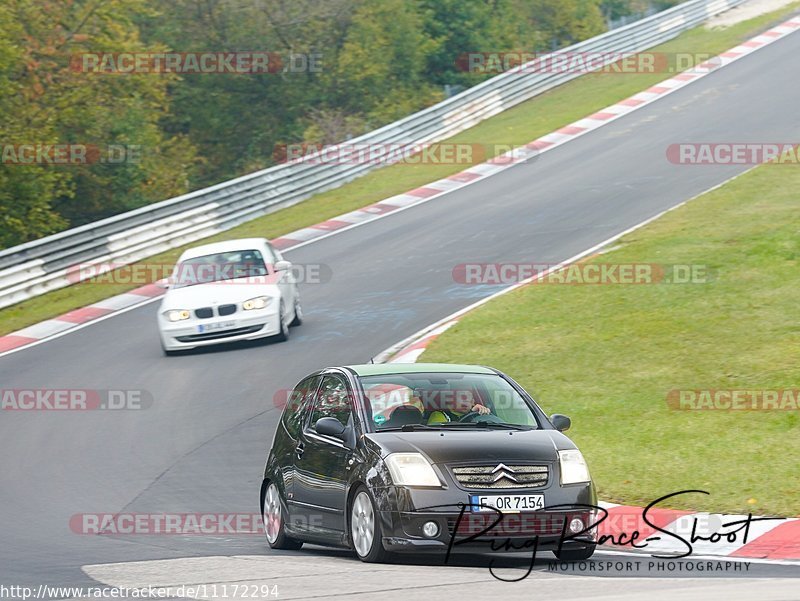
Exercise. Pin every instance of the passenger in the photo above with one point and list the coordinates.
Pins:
(385, 398)
(456, 407)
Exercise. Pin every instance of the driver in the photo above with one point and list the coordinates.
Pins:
(456, 406)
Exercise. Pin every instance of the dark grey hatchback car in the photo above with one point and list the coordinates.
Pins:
(424, 457)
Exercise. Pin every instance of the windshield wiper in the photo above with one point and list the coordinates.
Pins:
(498, 425)
(408, 428)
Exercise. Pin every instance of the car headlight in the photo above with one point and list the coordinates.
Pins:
(178, 314)
(573, 467)
(411, 469)
(258, 302)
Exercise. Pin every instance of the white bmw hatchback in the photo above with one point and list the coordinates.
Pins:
(228, 291)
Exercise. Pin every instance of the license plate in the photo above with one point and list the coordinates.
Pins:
(507, 503)
(211, 327)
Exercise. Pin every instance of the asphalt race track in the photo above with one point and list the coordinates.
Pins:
(202, 445)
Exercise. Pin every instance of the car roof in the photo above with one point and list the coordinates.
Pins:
(379, 369)
(221, 247)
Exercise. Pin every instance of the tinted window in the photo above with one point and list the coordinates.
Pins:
(219, 267)
(297, 403)
(332, 400)
(436, 398)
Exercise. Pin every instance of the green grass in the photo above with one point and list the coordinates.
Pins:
(516, 126)
(607, 356)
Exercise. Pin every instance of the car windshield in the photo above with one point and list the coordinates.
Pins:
(219, 267)
(445, 400)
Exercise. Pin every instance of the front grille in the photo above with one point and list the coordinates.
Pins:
(501, 476)
(226, 309)
(221, 334)
(204, 313)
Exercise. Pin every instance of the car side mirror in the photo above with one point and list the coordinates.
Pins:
(330, 426)
(162, 283)
(283, 265)
(561, 422)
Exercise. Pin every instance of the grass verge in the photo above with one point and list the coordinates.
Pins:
(609, 355)
(516, 127)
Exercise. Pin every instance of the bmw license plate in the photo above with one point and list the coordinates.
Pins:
(507, 503)
(211, 327)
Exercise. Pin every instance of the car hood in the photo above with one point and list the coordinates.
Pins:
(205, 295)
(475, 445)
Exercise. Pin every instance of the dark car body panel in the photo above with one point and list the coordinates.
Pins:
(317, 484)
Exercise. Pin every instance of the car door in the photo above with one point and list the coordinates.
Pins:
(294, 416)
(323, 463)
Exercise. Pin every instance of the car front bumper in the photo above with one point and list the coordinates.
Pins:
(195, 333)
(404, 511)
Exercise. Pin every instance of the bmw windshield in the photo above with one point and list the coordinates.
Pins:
(219, 267)
(445, 400)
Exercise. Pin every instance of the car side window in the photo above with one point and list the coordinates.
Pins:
(297, 405)
(332, 400)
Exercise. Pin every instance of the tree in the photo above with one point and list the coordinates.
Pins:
(26, 191)
(461, 28)
(381, 69)
(55, 101)
(567, 21)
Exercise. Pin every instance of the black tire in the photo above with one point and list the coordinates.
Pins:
(283, 335)
(298, 313)
(575, 554)
(275, 531)
(373, 553)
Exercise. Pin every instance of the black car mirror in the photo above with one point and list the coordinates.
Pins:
(561, 422)
(330, 426)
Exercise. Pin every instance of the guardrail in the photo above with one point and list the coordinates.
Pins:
(34, 268)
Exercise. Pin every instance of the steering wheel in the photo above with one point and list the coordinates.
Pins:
(475, 417)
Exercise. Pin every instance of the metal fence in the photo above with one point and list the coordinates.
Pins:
(34, 268)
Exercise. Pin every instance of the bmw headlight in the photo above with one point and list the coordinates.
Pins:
(177, 314)
(573, 467)
(258, 302)
(411, 469)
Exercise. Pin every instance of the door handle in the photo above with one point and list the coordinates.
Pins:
(299, 450)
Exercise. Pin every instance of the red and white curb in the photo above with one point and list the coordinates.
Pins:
(79, 317)
(774, 539)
